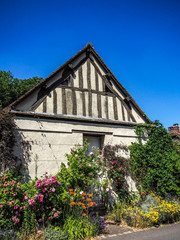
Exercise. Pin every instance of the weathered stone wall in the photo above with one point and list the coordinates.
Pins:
(50, 140)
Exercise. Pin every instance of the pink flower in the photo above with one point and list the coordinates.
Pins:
(17, 220)
(124, 171)
(15, 207)
(53, 210)
(40, 220)
(44, 189)
(119, 178)
(52, 190)
(14, 218)
(31, 201)
(14, 194)
(41, 199)
(36, 196)
(113, 162)
(46, 173)
(100, 156)
(55, 214)
(16, 212)
(121, 167)
(90, 165)
(39, 231)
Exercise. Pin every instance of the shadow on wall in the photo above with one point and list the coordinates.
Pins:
(22, 152)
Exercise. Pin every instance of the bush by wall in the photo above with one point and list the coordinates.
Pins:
(155, 163)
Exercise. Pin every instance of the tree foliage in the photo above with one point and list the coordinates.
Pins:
(155, 163)
(12, 88)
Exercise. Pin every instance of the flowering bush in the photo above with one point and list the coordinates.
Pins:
(40, 199)
(117, 174)
(83, 170)
(44, 198)
(152, 211)
(11, 196)
(117, 165)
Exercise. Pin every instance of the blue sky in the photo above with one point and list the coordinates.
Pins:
(139, 40)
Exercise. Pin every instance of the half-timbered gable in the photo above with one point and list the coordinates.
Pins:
(81, 98)
(84, 87)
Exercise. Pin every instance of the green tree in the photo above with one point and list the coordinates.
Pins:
(156, 163)
(12, 88)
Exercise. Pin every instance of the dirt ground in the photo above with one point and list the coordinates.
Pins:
(114, 229)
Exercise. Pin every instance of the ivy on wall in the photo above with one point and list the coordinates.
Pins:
(7, 141)
(155, 163)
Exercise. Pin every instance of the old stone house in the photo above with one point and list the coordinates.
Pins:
(81, 99)
(174, 132)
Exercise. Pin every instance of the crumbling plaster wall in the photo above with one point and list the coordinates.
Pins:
(50, 140)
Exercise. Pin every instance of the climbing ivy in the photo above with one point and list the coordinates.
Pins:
(155, 163)
(7, 141)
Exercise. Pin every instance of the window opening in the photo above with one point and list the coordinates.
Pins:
(94, 141)
(66, 82)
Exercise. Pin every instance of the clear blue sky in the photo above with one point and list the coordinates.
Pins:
(139, 40)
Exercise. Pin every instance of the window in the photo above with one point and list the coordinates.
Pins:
(66, 82)
(94, 141)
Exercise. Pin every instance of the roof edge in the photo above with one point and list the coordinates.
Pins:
(88, 45)
(71, 118)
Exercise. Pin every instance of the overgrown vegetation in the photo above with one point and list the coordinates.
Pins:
(54, 204)
(148, 210)
(7, 141)
(61, 206)
(155, 163)
(117, 163)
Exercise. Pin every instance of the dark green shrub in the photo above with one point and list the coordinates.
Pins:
(155, 163)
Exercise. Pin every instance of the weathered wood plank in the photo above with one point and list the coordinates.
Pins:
(97, 80)
(74, 102)
(54, 102)
(64, 108)
(106, 106)
(84, 104)
(88, 74)
(115, 108)
(90, 104)
(123, 115)
(71, 81)
(45, 105)
(80, 77)
(99, 107)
